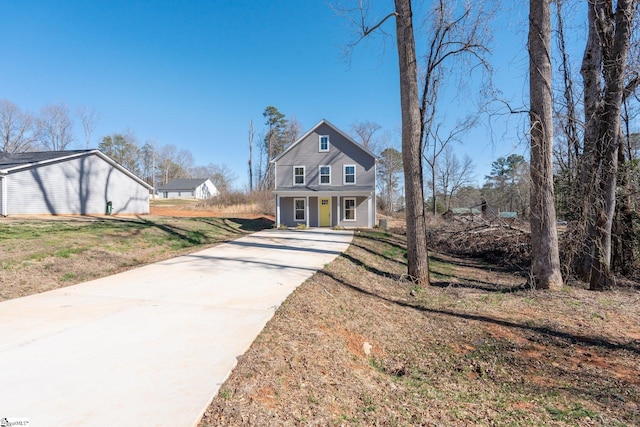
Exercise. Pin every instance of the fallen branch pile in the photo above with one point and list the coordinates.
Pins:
(507, 244)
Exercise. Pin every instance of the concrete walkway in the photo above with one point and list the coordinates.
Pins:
(151, 346)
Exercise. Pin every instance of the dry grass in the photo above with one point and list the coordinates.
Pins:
(358, 345)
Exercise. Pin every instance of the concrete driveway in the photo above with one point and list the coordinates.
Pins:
(150, 346)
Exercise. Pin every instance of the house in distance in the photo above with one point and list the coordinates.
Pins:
(188, 188)
(325, 179)
(71, 182)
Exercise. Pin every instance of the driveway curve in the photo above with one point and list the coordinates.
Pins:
(150, 346)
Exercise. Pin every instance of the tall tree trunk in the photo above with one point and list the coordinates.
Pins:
(608, 46)
(417, 256)
(545, 262)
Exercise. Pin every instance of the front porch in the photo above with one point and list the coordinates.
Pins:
(325, 209)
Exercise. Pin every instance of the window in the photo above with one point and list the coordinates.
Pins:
(349, 174)
(298, 175)
(324, 143)
(325, 174)
(349, 209)
(298, 209)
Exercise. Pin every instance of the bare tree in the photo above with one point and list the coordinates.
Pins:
(55, 128)
(603, 70)
(458, 40)
(438, 145)
(453, 175)
(417, 110)
(364, 132)
(89, 118)
(17, 133)
(221, 175)
(251, 135)
(292, 131)
(568, 136)
(389, 169)
(545, 255)
(166, 165)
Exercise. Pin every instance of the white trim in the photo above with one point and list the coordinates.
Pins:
(304, 173)
(326, 150)
(355, 208)
(302, 192)
(320, 175)
(344, 175)
(304, 211)
(277, 211)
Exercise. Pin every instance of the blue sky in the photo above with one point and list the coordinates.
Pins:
(194, 73)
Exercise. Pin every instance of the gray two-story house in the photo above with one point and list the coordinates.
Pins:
(325, 179)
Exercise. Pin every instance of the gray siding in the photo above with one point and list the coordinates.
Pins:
(341, 152)
(337, 218)
(77, 186)
(362, 213)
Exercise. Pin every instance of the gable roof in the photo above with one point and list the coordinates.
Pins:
(320, 123)
(11, 162)
(183, 184)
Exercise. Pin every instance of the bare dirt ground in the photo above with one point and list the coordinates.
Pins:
(358, 345)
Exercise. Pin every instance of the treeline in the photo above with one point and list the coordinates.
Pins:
(52, 129)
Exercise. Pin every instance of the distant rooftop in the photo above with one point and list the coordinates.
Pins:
(182, 184)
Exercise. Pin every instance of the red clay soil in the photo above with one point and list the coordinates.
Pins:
(191, 212)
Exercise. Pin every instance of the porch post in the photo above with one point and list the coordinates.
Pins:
(338, 210)
(370, 216)
(277, 211)
(306, 209)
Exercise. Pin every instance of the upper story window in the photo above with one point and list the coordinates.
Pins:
(349, 174)
(324, 143)
(298, 175)
(325, 174)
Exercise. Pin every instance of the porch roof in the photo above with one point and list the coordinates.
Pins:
(310, 192)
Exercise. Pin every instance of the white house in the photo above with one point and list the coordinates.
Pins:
(183, 188)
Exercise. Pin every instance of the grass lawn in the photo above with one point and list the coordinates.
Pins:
(44, 253)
